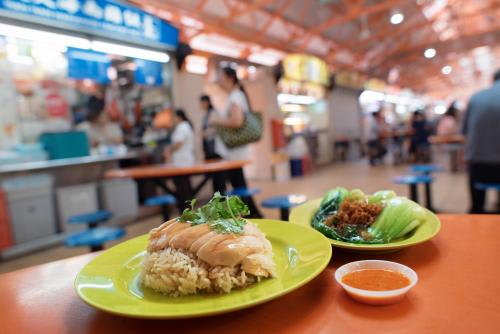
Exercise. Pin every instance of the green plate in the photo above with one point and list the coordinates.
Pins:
(302, 215)
(111, 283)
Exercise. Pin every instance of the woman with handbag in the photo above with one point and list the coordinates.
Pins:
(209, 131)
(232, 117)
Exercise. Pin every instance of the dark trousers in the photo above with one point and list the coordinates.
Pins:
(237, 180)
(183, 191)
(481, 172)
(376, 150)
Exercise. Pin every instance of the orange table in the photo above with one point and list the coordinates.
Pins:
(458, 292)
(180, 176)
(167, 170)
(447, 139)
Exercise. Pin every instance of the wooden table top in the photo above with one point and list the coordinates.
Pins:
(167, 170)
(458, 292)
(451, 139)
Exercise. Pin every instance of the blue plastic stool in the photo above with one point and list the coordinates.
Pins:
(162, 200)
(413, 181)
(487, 186)
(94, 238)
(243, 192)
(425, 169)
(92, 219)
(284, 203)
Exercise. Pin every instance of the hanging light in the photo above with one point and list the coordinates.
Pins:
(129, 51)
(430, 53)
(446, 69)
(397, 18)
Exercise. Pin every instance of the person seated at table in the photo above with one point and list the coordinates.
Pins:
(448, 124)
(232, 116)
(180, 152)
(209, 131)
(99, 128)
(482, 141)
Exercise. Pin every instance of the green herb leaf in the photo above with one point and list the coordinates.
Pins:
(223, 214)
(228, 226)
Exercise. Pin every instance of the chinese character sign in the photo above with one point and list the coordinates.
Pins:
(103, 17)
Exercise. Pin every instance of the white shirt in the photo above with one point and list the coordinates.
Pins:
(241, 152)
(184, 155)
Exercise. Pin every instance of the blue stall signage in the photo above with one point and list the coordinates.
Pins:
(86, 64)
(148, 72)
(107, 18)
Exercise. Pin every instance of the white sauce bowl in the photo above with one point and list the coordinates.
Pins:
(376, 297)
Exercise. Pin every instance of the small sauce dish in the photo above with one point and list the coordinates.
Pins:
(367, 271)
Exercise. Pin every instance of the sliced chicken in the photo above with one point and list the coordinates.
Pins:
(251, 250)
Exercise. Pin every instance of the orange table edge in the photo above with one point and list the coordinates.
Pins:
(167, 170)
(458, 292)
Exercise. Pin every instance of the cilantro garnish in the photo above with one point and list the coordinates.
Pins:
(224, 214)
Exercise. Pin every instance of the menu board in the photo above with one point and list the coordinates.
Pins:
(306, 68)
(148, 72)
(86, 64)
(350, 79)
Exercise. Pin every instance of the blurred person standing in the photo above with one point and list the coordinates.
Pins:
(481, 129)
(232, 116)
(373, 137)
(209, 131)
(180, 152)
(448, 124)
(99, 128)
(419, 143)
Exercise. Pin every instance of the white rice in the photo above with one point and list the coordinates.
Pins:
(176, 273)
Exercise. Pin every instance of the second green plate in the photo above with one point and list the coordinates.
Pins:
(303, 214)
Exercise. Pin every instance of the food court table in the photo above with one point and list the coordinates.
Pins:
(453, 144)
(183, 191)
(458, 292)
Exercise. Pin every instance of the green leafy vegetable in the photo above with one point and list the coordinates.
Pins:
(334, 195)
(380, 197)
(222, 213)
(328, 207)
(356, 195)
(399, 217)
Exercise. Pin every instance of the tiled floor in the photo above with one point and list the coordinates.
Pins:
(449, 191)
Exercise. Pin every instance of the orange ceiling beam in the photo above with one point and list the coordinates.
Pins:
(353, 13)
(469, 36)
(200, 6)
(248, 8)
(276, 15)
(398, 48)
(217, 25)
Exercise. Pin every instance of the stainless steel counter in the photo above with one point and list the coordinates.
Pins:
(49, 164)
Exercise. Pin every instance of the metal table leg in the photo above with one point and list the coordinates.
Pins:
(96, 248)
(414, 192)
(165, 213)
(428, 197)
(284, 214)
